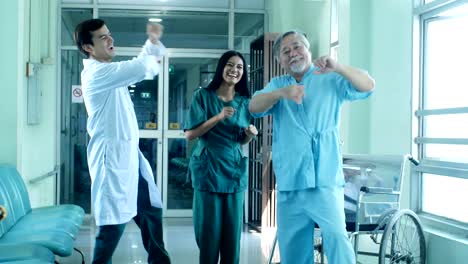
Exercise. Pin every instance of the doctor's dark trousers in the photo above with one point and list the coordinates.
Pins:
(148, 219)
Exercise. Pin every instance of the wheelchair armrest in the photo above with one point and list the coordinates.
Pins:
(378, 190)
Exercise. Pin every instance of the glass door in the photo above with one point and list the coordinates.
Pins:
(161, 105)
(185, 73)
(75, 183)
(147, 101)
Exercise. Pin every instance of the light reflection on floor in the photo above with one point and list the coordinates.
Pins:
(180, 243)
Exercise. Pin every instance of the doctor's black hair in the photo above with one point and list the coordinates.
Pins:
(83, 34)
(242, 86)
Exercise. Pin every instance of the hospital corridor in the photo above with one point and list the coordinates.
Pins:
(234, 131)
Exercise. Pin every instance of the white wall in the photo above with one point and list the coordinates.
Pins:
(308, 16)
(391, 65)
(354, 23)
(444, 248)
(31, 148)
(9, 15)
(38, 146)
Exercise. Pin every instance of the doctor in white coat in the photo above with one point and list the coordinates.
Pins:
(123, 186)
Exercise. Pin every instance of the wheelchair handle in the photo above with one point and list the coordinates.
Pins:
(413, 160)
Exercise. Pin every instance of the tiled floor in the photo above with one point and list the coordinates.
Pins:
(179, 240)
(180, 243)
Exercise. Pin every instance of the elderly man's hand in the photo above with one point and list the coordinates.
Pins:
(293, 92)
(326, 64)
(154, 32)
(251, 131)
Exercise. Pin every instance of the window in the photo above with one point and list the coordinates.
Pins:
(172, 3)
(247, 27)
(250, 4)
(334, 44)
(188, 24)
(182, 29)
(442, 114)
(70, 18)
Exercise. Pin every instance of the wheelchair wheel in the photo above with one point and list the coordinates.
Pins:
(403, 240)
(319, 256)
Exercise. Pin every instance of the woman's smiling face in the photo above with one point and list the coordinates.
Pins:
(233, 70)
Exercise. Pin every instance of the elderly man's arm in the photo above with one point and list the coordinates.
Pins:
(264, 101)
(358, 78)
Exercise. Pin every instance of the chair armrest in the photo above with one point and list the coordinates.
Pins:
(378, 190)
(3, 213)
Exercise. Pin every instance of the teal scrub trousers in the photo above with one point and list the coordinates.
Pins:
(218, 221)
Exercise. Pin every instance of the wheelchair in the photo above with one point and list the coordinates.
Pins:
(372, 195)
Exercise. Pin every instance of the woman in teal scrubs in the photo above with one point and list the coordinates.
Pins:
(220, 119)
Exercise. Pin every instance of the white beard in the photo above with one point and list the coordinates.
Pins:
(298, 67)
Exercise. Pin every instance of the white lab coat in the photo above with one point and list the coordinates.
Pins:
(114, 157)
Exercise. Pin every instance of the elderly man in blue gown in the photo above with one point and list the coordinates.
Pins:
(306, 104)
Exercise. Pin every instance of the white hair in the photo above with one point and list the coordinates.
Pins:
(279, 39)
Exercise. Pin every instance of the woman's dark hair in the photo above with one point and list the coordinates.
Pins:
(83, 34)
(242, 86)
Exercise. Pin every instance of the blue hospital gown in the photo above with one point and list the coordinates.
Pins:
(306, 146)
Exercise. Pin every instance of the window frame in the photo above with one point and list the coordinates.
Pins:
(334, 44)
(422, 15)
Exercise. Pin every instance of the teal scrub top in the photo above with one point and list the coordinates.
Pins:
(306, 151)
(218, 163)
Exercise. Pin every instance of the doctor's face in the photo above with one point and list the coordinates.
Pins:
(103, 45)
(294, 56)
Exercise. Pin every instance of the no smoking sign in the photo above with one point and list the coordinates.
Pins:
(77, 94)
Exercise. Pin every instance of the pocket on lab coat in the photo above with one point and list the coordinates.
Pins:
(118, 154)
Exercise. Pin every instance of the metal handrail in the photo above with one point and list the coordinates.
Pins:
(44, 176)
